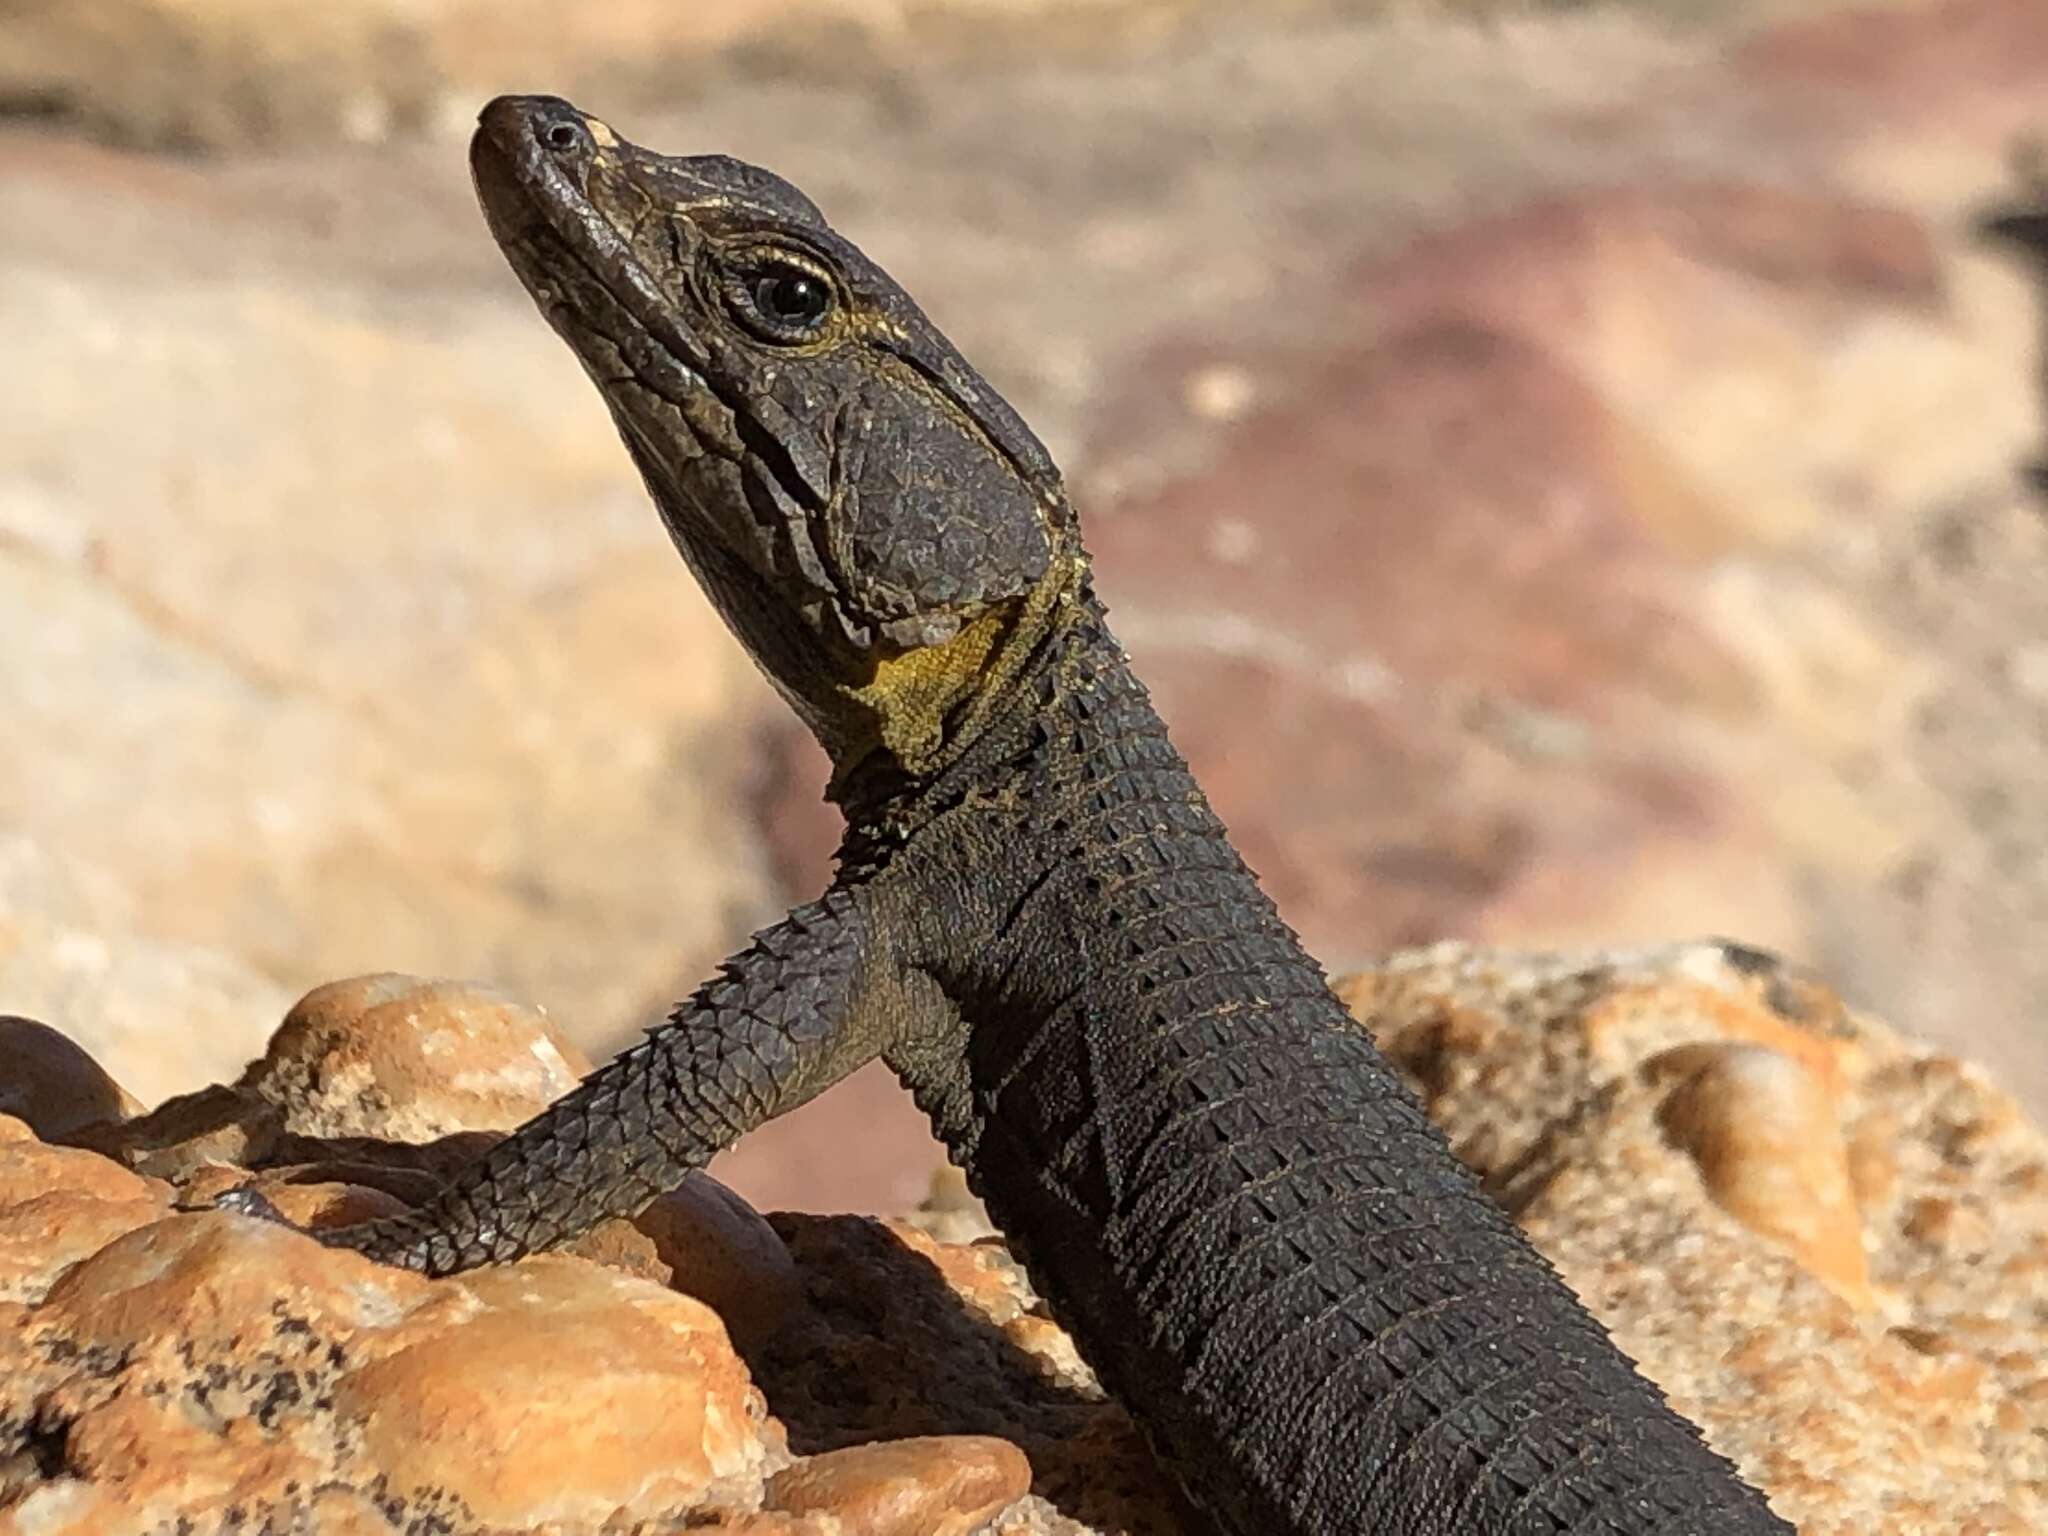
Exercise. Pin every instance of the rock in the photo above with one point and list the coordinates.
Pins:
(1763, 1132)
(719, 1249)
(186, 1136)
(59, 1206)
(1827, 1244)
(546, 1390)
(949, 1212)
(333, 1392)
(1955, 70)
(462, 723)
(1720, 381)
(905, 1338)
(52, 1083)
(937, 1486)
(2019, 225)
(860, 1145)
(1645, 533)
(404, 1059)
(1614, 654)
(160, 1014)
(1464, 609)
(425, 690)
(664, 1417)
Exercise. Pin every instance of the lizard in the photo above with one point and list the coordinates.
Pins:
(1314, 1313)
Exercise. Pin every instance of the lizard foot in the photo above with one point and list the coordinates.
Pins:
(390, 1240)
(247, 1200)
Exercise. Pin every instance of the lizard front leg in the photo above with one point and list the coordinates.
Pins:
(813, 998)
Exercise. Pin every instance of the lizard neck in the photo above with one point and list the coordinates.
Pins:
(1057, 631)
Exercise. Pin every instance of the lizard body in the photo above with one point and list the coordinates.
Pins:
(1272, 1259)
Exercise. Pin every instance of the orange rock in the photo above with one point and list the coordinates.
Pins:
(31, 1170)
(560, 1391)
(409, 1060)
(935, 1485)
(1668, 1125)
(210, 1362)
(1763, 1131)
(59, 1205)
(40, 1240)
(202, 1281)
(987, 1279)
(314, 1206)
(1053, 1349)
(1714, 1013)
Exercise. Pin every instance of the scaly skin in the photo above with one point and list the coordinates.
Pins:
(1321, 1323)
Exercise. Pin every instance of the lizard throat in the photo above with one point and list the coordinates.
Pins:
(919, 710)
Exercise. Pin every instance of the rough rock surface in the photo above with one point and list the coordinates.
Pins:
(1829, 1246)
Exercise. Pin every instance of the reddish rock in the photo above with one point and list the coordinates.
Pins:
(859, 1146)
(1560, 271)
(1422, 699)
(945, 1485)
(59, 1206)
(406, 1059)
(1943, 67)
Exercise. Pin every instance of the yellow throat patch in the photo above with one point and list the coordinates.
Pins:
(910, 695)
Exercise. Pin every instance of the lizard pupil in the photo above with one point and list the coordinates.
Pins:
(793, 299)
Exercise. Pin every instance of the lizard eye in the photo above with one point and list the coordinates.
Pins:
(781, 299)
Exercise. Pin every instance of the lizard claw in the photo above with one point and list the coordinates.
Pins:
(247, 1200)
(388, 1240)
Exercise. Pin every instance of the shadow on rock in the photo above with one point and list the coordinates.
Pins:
(905, 1337)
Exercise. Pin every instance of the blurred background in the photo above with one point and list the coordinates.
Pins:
(1564, 470)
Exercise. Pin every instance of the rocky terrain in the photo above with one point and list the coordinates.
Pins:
(1560, 469)
(1828, 1245)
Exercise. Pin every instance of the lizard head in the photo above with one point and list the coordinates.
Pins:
(873, 521)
